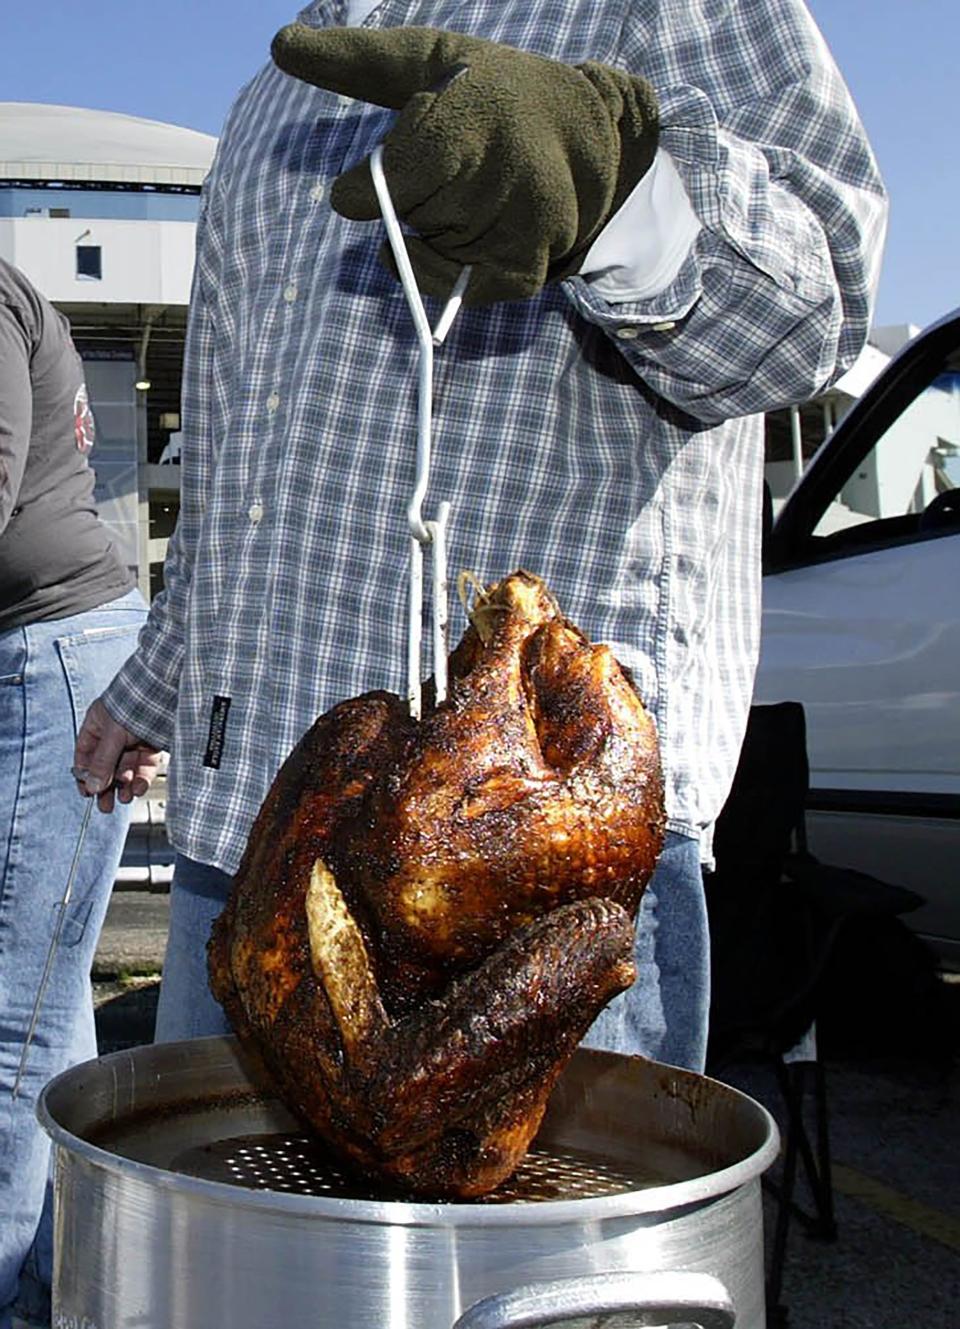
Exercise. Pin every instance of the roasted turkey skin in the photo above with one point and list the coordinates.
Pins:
(430, 914)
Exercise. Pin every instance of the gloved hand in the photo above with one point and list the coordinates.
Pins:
(505, 160)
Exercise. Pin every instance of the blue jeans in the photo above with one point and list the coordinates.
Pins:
(49, 674)
(666, 1012)
(186, 1007)
(663, 1016)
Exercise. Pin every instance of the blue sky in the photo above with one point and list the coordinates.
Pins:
(183, 60)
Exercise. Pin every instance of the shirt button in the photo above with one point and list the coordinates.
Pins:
(273, 401)
(317, 192)
(627, 334)
(663, 327)
(290, 292)
(255, 512)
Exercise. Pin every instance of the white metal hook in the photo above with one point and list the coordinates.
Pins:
(422, 532)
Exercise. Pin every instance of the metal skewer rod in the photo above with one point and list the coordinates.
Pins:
(439, 602)
(422, 532)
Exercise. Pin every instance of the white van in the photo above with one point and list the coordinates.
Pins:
(861, 623)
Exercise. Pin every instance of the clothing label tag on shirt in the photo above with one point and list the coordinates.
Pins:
(218, 727)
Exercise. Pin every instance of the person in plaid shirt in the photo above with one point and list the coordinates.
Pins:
(674, 223)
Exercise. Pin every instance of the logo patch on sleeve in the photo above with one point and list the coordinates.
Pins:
(218, 728)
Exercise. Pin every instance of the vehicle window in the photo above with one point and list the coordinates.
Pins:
(907, 483)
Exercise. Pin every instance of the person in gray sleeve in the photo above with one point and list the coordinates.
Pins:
(674, 223)
(69, 617)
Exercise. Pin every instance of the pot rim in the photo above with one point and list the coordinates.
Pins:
(673, 1196)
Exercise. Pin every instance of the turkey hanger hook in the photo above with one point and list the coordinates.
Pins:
(422, 531)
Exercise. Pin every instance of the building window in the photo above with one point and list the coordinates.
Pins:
(89, 262)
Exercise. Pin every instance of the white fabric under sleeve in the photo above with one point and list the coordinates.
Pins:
(642, 247)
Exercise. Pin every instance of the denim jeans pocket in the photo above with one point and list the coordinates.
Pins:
(91, 658)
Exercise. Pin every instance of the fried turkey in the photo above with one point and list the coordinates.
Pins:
(430, 914)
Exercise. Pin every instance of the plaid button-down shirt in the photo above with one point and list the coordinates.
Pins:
(616, 450)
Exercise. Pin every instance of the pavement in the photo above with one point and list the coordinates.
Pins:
(893, 1083)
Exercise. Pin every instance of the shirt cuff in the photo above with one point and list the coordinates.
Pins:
(142, 704)
(640, 251)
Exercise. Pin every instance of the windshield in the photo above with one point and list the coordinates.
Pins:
(912, 463)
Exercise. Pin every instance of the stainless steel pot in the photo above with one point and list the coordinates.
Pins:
(189, 1198)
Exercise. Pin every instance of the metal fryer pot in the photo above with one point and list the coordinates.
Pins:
(188, 1196)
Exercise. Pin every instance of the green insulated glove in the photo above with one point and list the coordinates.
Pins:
(508, 161)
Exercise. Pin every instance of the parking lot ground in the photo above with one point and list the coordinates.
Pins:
(894, 1128)
(895, 1148)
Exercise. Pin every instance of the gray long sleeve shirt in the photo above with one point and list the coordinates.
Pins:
(56, 558)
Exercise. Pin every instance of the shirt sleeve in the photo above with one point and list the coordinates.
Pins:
(143, 695)
(16, 410)
(773, 301)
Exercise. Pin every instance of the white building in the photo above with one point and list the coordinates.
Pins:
(99, 210)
